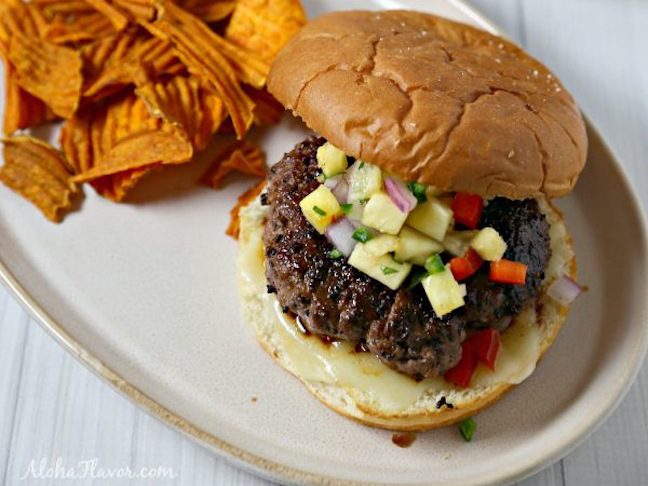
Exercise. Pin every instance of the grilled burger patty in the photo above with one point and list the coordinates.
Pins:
(334, 299)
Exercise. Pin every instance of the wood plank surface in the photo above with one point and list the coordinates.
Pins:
(51, 406)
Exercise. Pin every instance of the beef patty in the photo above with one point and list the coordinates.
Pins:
(334, 299)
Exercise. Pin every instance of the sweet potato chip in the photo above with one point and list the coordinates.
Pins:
(53, 7)
(247, 67)
(122, 136)
(116, 186)
(198, 47)
(209, 10)
(140, 83)
(39, 173)
(109, 62)
(78, 27)
(106, 54)
(214, 115)
(77, 144)
(241, 156)
(262, 27)
(116, 16)
(267, 110)
(18, 18)
(141, 149)
(181, 101)
(140, 10)
(22, 110)
(244, 199)
(49, 72)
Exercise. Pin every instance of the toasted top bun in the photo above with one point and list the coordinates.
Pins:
(357, 384)
(434, 101)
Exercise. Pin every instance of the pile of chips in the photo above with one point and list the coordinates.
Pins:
(139, 84)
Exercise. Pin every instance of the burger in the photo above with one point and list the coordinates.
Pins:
(406, 263)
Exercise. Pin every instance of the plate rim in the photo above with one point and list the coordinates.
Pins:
(288, 475)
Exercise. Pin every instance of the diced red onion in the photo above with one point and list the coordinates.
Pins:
(340, 234)
(564, 290)
(400, 195)
(341, 190)
(331, 182)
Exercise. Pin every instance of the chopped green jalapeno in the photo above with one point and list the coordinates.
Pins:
(361, 234)
(418, 190)
(434, 264)
(467, 428)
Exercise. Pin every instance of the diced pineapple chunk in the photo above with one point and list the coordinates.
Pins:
(415, 247)
(431, 218)
(381, 245)
(320, 208)
(443, 291)
(382, 214)
(463, 289)
(365, 180)
(356, 211)
(458, 242)
(382, 268)
(331, 160)
(489, 244)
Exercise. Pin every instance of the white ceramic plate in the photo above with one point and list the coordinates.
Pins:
(144, 294)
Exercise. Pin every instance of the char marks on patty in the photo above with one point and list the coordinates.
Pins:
(400, 327)
(526, 233)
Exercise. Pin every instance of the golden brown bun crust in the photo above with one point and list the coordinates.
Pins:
(434, 101)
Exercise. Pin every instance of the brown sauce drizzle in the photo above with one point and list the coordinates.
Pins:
(326, 340)
(403, 439)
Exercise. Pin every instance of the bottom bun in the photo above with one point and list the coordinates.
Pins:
(360, 387)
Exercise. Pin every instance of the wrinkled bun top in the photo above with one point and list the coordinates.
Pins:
(433, 101)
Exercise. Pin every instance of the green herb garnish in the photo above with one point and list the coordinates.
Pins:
(363, 201)
(418, 190)
(346, 208)
(362, 235)
(388, 270)
(434, 264)
(361, 165)
(319, 211)
(416, 276)
(335, 253)
(467, 428)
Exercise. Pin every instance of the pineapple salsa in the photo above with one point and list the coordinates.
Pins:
(391, 230)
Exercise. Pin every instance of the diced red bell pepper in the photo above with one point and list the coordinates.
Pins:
(463, 371)
(481, 346)
(506, 271)
(486, 345)
(461, 268)
(467, 209)
(465, 266)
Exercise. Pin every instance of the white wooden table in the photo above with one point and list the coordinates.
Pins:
(51, 406)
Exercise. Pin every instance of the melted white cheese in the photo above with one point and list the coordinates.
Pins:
(311, 359)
